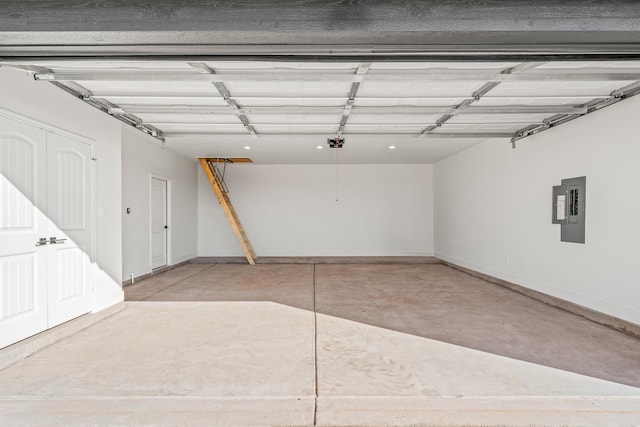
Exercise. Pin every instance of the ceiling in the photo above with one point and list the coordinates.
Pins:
(388, 112)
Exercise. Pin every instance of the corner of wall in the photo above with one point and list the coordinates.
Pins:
(143, 157)
(493, 211)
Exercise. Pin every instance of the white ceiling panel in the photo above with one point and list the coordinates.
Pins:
(114, 65)
(415, 89)
(302, 149)
(445, 101)
(413, 129)
(594, 65)
(189, 118)
(498, 118)
(556, 88)
(145, 100)
(452, 127)
(297, 128)
(151, 87)
(490, 101)
(295, 119)
(283, 66)
(486, 66)
(286, 88)
(318, 101)
(393, 118)
(200, 128)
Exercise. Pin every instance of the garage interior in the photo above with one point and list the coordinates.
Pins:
(427, 272)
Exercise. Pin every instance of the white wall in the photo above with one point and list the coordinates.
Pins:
(291, 210)
(41, 101)
(142, 156)
(493, 211)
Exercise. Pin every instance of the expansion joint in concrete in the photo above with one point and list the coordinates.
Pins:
(315, 350)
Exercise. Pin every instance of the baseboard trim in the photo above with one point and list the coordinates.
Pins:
(322, 260)
(620, 325)
(22, 349)
(154, 273)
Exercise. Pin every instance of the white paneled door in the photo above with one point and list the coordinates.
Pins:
(158, 223)
(45, 230)
(69, 192)
(23, 265)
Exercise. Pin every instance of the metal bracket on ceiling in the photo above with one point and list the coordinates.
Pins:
(615, 97)
(353, 92)
(226, 96)
(627, 91)
(475, 97)
(105, 106)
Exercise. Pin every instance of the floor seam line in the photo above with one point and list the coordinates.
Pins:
(315, 350)
(176, 283)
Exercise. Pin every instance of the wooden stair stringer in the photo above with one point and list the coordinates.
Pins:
(230, 212)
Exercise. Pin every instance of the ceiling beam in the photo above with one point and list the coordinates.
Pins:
(351, 125)
(437, 135)
(174, 96)
(384, 110)
(431, 75)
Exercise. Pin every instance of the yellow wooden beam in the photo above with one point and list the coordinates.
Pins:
(229, 211)
(229, 160)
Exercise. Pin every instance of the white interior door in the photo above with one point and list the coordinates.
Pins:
(69, 193)
(158, 223)
(46, 235)
(23, 265)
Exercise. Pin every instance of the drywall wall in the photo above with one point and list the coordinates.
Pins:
(291, 210)
(45, 103)
(142, 157)
(493, 210)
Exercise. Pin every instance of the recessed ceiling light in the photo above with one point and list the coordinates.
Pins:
(319, 147)
(392, 147)
(246, 147)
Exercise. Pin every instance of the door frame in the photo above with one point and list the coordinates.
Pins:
(153, 176)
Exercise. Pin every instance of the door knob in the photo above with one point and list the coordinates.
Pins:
(56, 241)
(41, 241)
(166, 226)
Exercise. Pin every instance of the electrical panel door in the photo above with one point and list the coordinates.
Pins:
(569, 209)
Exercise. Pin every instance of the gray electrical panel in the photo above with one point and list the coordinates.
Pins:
(569, 203)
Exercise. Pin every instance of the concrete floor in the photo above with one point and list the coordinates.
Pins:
(331, 344)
